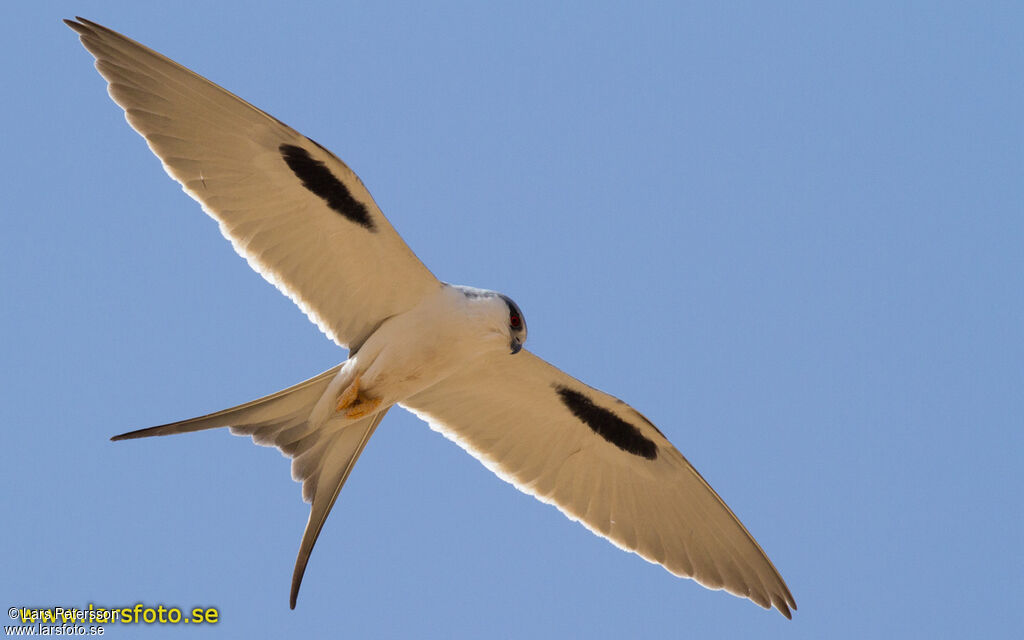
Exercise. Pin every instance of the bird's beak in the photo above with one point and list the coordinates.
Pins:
(516, 345)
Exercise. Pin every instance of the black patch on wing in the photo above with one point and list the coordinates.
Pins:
(607, 425)
(642, 417)
(320, 181)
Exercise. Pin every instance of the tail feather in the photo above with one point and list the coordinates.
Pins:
(275, 434)
(260, 418)
(323, 453)
(327, 467)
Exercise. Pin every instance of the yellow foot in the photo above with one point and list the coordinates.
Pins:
(355, 404)
(349, 396)
(364, 407)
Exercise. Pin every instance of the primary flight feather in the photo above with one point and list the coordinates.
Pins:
(450, 354)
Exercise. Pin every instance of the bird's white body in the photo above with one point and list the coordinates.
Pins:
(408, 353)
(444, 333)
(451, 355)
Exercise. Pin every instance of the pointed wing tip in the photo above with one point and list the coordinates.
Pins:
(786, 605)
(80, 25)
(77, 27)
(87, 28)
(792, 605)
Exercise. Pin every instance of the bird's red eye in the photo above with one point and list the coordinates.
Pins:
(514, 320)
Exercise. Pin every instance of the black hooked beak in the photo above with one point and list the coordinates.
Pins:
(517, 345)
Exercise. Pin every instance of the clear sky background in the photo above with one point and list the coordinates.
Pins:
(791, 235)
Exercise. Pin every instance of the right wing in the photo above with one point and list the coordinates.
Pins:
(296, 212)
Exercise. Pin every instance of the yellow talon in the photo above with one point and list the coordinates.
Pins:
(362, 408)
(349, 395)
(354, 403)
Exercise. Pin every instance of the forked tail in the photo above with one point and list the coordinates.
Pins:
(322, 454)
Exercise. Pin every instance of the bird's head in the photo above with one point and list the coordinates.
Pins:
(516, 324)
(499, 313)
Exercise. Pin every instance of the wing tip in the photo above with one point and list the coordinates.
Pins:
(77, 27)
(784, 603)
(80, 25)
(784, 610)
(787, 601)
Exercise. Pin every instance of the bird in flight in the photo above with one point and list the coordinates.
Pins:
(453, 355)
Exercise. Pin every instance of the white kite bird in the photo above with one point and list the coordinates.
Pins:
(450, 354)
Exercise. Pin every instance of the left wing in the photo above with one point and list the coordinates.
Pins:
(601, 463)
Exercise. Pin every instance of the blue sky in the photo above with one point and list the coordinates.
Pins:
(791, 235)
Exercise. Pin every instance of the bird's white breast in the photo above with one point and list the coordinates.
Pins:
(414, 350)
